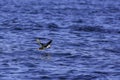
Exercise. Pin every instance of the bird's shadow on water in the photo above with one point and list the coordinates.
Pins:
(45, 56)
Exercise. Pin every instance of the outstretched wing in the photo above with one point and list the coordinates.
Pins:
(48, 43)
(38, 41)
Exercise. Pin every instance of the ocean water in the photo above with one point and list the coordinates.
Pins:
(85, 34)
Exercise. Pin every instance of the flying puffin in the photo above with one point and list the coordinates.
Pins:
(43, 45)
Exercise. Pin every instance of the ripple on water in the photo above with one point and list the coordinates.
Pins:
(1, 37)
(88, 28)
(85, 77)
(114, 50)
(52, 27)
(28, 64)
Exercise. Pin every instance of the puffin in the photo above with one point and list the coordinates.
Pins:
(44, 46)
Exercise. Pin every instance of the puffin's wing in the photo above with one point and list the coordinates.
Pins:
(38, 41)
(49, 43)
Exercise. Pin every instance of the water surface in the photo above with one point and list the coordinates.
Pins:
(85, 34)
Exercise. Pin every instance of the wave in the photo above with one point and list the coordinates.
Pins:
(88, 28)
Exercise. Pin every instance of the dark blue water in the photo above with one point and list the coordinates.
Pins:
(85, 34)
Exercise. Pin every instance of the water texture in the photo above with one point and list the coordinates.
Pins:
(85, 34)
